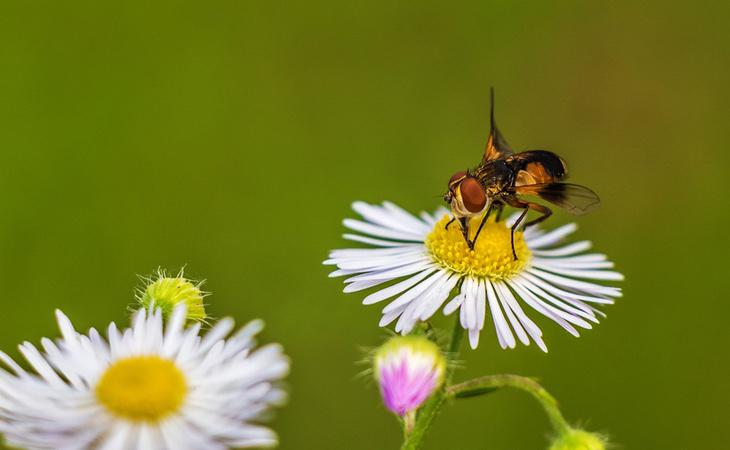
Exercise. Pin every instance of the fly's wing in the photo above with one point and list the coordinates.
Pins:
(537, 167)
(574, 198)
(497, 147)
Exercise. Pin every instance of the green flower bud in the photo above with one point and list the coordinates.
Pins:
(576, 439)
(166, 292)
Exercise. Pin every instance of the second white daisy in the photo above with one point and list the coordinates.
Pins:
(429, 261)
(147, 387)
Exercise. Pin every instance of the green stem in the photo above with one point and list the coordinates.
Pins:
(423, 421)
(491, 382)
(455, 344)
(429, 411)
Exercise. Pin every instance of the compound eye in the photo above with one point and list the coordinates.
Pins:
(472, 195)
(456, 177)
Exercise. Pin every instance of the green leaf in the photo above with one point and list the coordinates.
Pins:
(475, 392)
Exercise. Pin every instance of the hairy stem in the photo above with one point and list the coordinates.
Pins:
(492, 382)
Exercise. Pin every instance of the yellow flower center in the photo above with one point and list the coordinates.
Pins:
(142, 388)
(492, 255)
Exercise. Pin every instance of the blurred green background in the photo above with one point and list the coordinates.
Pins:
(231, 137)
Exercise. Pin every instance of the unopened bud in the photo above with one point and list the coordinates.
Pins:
(409, 369)
(165, 293)
(576, 439)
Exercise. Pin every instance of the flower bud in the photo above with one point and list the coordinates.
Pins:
(575, 439)
(409, 369)
(166, 292)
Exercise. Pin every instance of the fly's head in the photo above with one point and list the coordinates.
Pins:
(466, 196)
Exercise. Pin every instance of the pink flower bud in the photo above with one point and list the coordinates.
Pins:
(409, 369)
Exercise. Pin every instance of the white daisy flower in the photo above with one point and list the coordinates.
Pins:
(430, 261)
(146, 387)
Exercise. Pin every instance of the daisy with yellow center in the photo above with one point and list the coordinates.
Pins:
(418, 262)
(146, 387)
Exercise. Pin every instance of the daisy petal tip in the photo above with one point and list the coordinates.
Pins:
(60, 316)
(227, 322)
(474, 334)
(256, 325)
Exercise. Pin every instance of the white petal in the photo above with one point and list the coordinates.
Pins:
(552, 237)
(376, 242)
(409, 295)
(454, 304)
(583, 311)
(589, 288)
(563, 293)
(118, 438)
(474, 338)
(569, 249)
(412, 221)
(586, 274)
(500, 324)
(390, 218)
(429, 308)
(532, 329)
(218, 332)
(391, 274)
(541, 307)
(470, 304)
(382, 232)
(397, 288)
(516, 326)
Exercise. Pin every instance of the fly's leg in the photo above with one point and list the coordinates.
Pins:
(546, 212)
(514, 227)
(465, 231)
(525, 206)
(450, 222)
(484, 220)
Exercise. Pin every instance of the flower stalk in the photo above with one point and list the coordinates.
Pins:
(424, 417)
(415, 432)
(490, 383)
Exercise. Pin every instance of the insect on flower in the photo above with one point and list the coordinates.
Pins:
(502, 177)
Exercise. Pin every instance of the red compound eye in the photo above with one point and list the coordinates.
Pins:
(456, 177)
(472, 195)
